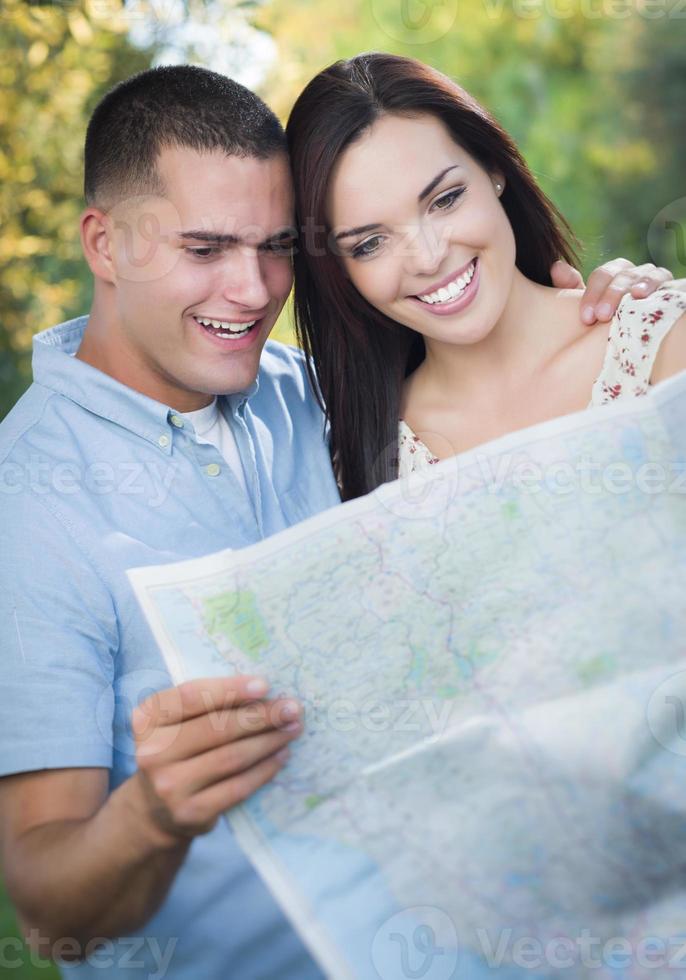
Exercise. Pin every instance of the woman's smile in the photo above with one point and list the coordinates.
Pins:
(453, 294)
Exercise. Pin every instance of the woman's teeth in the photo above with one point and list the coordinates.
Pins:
(223, 328)
(454, 289)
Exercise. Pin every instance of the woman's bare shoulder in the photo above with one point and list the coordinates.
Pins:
(578, 341)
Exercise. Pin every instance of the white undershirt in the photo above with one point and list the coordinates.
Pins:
(211, 427)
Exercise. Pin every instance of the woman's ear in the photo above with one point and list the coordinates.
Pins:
(498, 183)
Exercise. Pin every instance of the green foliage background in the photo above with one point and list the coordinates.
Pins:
(593, 91)
(55, 63)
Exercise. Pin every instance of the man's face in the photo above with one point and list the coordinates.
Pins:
(201, 274)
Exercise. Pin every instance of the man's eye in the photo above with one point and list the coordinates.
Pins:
(204, 252)
(368, 247)
(283, 246)
(446, 201)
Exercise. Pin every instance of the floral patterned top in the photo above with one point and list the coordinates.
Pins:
(636, 332)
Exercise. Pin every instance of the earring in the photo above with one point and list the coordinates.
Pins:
(498, 187)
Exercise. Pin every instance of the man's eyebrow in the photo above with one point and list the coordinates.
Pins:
(214, 238)
(211, 237)
(436, 181)
(283, 233)
(363, 229)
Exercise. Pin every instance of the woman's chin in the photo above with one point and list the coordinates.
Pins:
(461, 338)
(453, 330)
(465, 327)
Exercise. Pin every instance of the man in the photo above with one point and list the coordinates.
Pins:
(118, 456)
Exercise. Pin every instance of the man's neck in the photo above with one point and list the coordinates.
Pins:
(104, 346)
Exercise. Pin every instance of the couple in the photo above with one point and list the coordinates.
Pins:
(429, 301)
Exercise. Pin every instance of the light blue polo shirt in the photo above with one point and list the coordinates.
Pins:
(94, 479)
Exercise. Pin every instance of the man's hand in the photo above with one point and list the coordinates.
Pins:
(609, 282)
(206, 745)
(79, 861)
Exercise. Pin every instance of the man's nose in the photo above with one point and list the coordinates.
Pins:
(244, 281)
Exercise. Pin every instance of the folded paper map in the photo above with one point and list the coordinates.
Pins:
(490, 655)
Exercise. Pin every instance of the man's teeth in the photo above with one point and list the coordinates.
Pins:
(452, 290)
(226, 329)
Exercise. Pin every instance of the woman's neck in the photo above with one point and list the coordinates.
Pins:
(518, 346)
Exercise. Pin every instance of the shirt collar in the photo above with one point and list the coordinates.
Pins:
(55, 367)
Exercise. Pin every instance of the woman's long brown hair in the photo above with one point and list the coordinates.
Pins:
(360, 356)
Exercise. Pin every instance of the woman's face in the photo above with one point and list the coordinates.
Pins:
(421, 230)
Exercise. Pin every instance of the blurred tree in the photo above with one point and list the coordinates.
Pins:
(56, 60)
(650, 215)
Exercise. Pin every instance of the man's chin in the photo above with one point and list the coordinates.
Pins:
(233, 382)
(232, 372)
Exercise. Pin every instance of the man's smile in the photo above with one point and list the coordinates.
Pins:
(231, 329)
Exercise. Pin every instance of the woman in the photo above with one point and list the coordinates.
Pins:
(423, 290)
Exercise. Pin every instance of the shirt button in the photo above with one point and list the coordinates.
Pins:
(177, 421)
(163, 441)
(214, 469)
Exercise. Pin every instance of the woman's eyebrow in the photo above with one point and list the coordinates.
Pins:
(363, 229)
(351, 232)
(437, 179)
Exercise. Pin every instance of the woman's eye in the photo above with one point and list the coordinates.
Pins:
(447, 200)
(367, 247)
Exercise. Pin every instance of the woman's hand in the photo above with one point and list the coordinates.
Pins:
(609, 282)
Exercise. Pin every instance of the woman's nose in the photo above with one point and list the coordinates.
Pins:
(425, 251)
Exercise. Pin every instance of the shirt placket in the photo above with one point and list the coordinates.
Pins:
(217, 475)
(248, 457)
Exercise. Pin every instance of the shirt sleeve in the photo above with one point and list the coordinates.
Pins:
(58, 638)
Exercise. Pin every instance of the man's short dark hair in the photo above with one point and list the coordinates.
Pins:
(178, 106)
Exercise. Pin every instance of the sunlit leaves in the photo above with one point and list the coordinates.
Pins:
(55, 61)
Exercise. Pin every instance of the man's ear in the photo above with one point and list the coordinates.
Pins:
(96, 244)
